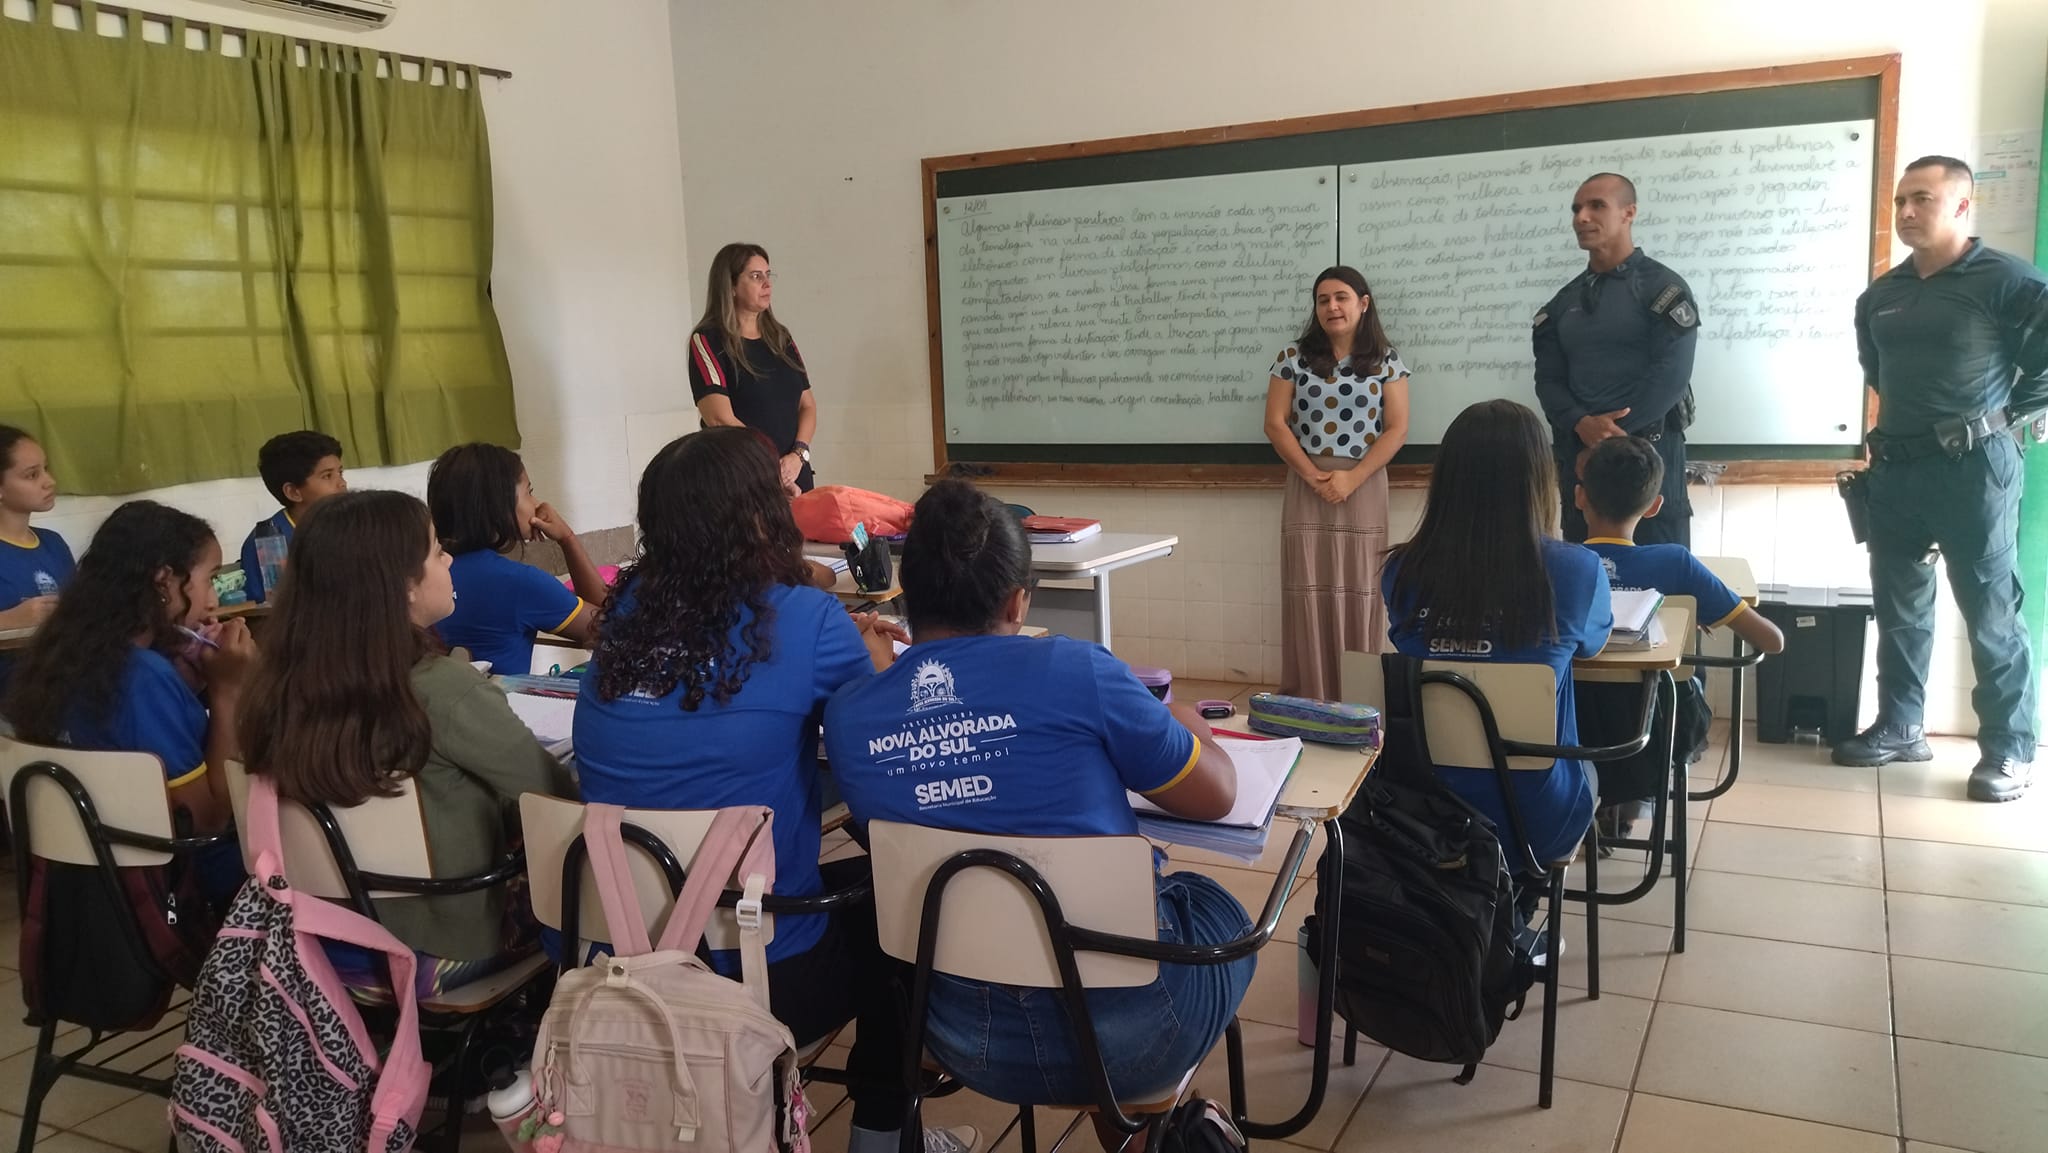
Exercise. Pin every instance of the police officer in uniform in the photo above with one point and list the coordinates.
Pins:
(1614, 355)
(1955, 343)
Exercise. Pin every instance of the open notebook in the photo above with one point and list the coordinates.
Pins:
(1262, 771)
(1636, 626)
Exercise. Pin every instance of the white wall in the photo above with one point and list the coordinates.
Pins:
(590, 276)
(809, 143)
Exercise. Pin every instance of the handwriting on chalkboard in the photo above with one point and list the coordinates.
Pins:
(1144, 300)
(1771, 227)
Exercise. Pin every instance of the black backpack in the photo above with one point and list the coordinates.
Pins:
(1429, 961)
(1199, 1125)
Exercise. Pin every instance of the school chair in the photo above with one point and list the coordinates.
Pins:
(107, 812)
(1741, 659)
(1669, 831)
(565, 896)
(378, 849)
(1503, 718)
(1062, 913)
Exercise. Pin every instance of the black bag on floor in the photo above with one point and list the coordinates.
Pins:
(1429, 963)
(1199, 1125)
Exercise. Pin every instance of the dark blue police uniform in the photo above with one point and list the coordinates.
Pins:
(1969, 343)
(1623, 338)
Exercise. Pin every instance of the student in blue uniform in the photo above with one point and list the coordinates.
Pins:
(34, 562)
(711, 669)
(484, 507)
(120, 666)
(1620, 486)
(300, 469)
(1064, 729)
(1485, 579)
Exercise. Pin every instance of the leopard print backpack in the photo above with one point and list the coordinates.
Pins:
(276, 1057)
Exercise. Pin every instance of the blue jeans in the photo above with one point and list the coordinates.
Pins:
(1014, 1044)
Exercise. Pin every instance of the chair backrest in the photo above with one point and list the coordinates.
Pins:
(989, 926)
(1361, 679)
(550, 825)
(127, 791)
(384, 834)
(1524, 702)
(547, 657)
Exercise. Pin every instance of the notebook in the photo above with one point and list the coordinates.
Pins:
(1263, 767)
(1636, 626)
(1060, 529)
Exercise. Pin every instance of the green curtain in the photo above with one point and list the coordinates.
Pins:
(199, 251)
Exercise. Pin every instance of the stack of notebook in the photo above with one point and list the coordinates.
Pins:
(1636, 627)
(1263, 767)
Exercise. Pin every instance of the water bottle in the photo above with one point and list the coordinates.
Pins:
(509, 1105)
(270, 552)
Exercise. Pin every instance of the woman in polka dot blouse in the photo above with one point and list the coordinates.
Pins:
(1336, 412)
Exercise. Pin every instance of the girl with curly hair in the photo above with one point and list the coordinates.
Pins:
(713, 664)
(131, 660)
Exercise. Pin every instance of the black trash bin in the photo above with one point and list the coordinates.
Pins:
(1815, 686)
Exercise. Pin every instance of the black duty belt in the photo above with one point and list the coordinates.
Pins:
(1955, 437)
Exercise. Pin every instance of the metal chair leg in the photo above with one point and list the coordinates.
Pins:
(1680, 870)
(1555, 933)
(1027, 1128)
(1350, 1044)
(1593, 913)
(41, 1079)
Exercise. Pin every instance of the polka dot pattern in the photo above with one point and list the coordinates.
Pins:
(1336, 412)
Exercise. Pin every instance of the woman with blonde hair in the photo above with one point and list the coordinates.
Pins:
(744, 368)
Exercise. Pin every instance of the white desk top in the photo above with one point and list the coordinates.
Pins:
(1103, 551)
(1734, 571)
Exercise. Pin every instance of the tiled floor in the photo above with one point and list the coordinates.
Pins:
(1866, 972)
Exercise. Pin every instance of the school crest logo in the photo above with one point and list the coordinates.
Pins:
(931, 687)
(46, 585)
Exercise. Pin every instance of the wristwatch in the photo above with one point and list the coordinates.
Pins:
(802, 449)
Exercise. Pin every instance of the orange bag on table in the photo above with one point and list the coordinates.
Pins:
(828, 513)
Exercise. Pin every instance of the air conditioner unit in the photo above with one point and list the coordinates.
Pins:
(349, 13)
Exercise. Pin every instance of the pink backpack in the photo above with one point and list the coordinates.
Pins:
(275, 1055)
(648, 1048)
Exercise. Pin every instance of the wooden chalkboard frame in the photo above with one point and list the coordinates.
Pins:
(1884, 69)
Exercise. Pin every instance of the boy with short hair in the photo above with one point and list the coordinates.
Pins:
(300, 469)
(1620, 482)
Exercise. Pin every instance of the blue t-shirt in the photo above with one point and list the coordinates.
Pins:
(252, 568)
(1670, 569)
(1004, 735)
(500, 604)
(1555, 804)
(30, 571)
(761, 748)
(155, 711)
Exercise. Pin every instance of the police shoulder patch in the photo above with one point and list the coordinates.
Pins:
(1540, 318)
(1684, 315)
(1666, 299)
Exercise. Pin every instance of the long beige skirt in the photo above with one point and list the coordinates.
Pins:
(1330, 558)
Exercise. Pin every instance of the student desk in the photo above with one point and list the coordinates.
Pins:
(1658, 662)
(15, 640)
(852, 597)
(1078, 604)
(1733, 571)
(1325, 780)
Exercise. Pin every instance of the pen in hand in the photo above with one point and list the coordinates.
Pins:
(195, 635)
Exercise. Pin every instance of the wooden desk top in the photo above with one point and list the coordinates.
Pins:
(1665, 656)
(15, 640)
(1734, 571)
(1325, 780)
(849, 594)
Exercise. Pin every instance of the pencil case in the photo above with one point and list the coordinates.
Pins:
(1330, 722)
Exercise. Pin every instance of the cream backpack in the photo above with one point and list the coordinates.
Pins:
(649, 1049)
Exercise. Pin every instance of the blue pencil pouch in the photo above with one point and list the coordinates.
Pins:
(1330, 722)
